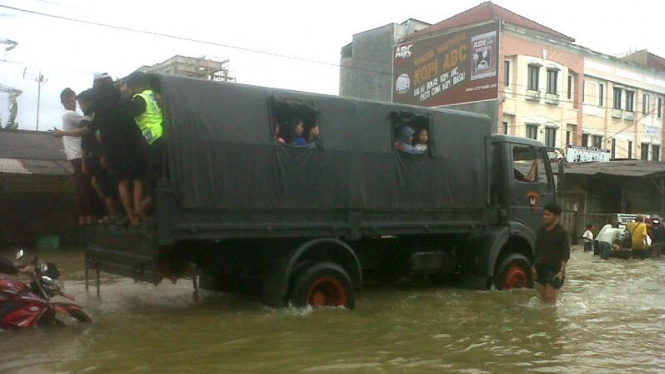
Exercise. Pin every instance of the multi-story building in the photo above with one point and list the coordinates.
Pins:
(193, 67)
(531, 80)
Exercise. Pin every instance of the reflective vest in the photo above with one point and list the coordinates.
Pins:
(150, 121)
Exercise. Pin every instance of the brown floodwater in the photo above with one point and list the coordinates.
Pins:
(610, 318)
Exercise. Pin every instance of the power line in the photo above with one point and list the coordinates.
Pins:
(176, 37)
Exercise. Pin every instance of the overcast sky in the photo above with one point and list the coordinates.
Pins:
(68, 53)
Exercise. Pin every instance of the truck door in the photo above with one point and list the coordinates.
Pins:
(532, 185)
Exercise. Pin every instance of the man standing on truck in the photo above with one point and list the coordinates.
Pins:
(552, 254)
(148, 116)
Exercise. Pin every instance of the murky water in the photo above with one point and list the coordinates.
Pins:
(610, 318)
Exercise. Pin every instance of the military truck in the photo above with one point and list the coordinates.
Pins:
(308, 224)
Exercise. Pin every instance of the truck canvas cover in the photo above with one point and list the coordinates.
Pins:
(229, 177)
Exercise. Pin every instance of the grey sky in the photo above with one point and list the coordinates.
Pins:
(68, 53)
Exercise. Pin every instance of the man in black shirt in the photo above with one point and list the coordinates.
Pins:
(552, 254)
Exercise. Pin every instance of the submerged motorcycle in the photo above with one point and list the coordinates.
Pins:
(29, 305)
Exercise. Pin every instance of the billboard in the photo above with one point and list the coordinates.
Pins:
(452, 68)
(586, 154)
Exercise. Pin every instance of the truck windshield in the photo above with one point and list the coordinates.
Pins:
(529, 165)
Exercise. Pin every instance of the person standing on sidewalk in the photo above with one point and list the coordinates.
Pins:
(552, 255)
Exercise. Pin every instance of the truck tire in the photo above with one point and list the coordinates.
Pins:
(513, 272)
(325, 284)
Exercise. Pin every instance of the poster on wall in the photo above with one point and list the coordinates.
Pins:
(452, 68)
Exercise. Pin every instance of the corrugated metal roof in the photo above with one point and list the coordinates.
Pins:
(33, 145)
(32, 152)
(11, 166)
(629, 168)
(487, 11)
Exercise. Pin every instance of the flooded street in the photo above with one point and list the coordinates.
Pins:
(610, 318)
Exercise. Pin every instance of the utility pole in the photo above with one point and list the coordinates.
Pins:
(40, 79)
(39, 95)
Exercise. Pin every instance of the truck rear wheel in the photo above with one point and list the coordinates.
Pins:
(514, 272)
(324, 285)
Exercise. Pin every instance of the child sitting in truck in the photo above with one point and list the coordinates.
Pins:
(420, 140)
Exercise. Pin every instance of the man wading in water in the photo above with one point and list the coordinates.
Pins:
(552, 254)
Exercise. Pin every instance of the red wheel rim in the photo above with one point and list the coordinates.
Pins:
(516, 277)
(327, 291)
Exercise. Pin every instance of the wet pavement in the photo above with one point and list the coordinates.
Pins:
(610, 319)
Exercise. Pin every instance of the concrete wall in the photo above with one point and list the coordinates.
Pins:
(367, 73)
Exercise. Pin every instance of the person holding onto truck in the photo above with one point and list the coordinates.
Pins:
(552, 255)
(121, 140)
(71, 122)
(588, 238)
(638, 234)
(92, 155)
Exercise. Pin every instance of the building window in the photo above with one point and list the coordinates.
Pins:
(552, 81)
(569, 137)
(532, 132)
(655, 152)
(601, 95)
(550, 137)
(506, 73)
(645, 151)
(645, 104)
(660, 107)
(533, 77)
(614, 148)
(570, 86)
(630, 101)
(597, 141)
(585, 140)
(630, 149)
(617, 98)
(505, 127)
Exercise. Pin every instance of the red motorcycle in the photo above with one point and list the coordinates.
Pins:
(29, 305)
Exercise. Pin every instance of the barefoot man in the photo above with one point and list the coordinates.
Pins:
(552, 254)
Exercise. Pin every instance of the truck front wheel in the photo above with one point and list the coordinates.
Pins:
(513, 272)
(324, 285)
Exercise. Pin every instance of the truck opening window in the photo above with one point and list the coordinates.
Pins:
(294, 122)
(411, 132)
(529, 165)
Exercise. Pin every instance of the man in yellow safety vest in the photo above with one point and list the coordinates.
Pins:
(148, 115)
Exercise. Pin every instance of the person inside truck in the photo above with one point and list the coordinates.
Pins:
(531, 176)
(420, 140)
(291, 131)
(404, 140)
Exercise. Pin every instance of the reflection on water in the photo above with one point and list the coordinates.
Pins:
(610, 318)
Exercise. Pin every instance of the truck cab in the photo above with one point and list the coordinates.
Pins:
(523, 181)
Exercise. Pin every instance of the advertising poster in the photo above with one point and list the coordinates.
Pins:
(452, 68)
